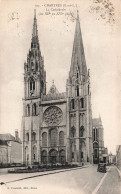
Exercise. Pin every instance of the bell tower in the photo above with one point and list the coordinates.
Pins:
(34, 73)
(79, 119)
(34, 89)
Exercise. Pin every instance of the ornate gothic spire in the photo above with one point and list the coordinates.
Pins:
(78, 63)
(34, 67)
(35, 31)
(35, 25)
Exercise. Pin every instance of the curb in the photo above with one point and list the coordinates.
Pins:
(119, 172)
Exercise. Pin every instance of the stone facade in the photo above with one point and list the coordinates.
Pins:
(3, 152)
(56, 127)
(98, 140)
(10, 149)
(112, 158)
(118, 157)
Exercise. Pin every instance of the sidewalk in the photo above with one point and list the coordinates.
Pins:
(119, 172)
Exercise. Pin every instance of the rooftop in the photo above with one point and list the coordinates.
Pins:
(7, 137)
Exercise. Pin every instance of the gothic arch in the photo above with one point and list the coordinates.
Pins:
(32, 84)
(34, 153)
(32, 65)
(72, 145)
(83, 156)
(53, 156)
(61, 138)
(33, 136)
(72, 132)
(44, 139)
(95, 152)
(95, 134)
(81, 131)
(72, 104)
(28, 109)
(88, 89)
(44, 157)
(27, 136)
(62, 156)
(53, 136)
(82, 102)
(77, 90)
(26, 155)
(34, 109)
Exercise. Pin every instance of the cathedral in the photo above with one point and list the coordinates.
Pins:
(56, 127)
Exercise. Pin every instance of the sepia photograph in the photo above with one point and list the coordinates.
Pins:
(60, 96)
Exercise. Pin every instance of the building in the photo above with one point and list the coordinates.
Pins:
(112, 158)
(56, 127)
(98, 140)
(10, 149)
(118, 157)
(105, 157)
(3, 152)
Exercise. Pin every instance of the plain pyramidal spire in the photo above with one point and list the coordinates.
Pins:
(78, 56)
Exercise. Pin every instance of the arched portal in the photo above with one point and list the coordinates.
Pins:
(44, 157)
(53, 156)
(62, 156)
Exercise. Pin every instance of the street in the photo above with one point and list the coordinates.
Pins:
(76, 181)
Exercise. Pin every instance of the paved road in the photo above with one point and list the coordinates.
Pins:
(112, 183)
(79, 181)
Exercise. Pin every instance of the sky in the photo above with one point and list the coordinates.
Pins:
(101, 30)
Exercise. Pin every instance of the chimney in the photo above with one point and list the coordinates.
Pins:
(16, 135)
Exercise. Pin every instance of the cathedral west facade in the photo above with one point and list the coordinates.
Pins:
(56, 127)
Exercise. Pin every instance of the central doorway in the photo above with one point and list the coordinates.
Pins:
(53, 156)
(44, 157)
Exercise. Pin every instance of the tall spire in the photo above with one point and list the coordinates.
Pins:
(35, 31)
(35, 25)
(34, 67)
(78, 63)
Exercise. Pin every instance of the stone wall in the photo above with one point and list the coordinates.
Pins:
(118, 157)
(3, 154)
(16, 152)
